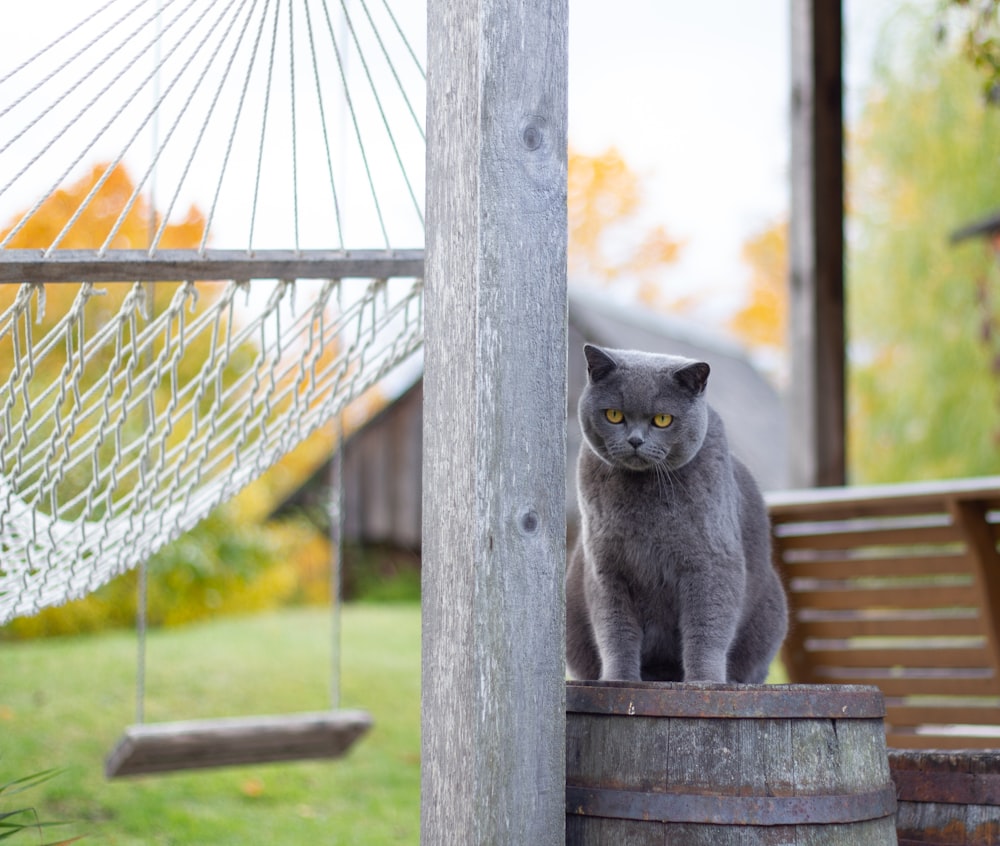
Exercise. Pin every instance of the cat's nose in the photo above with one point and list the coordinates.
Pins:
(636, 441)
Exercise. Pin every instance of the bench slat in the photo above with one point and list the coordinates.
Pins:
(870, 538)
(916, 715)
(892, 561)
(957, 626)
(845, 568)
(951, 685)
(880, 500)
(933, 596)
(922, 658)
(903, 740)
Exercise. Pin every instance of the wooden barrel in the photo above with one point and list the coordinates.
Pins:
(947, 798)
(719, 765)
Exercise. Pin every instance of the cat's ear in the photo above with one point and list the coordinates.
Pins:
(693, 376)
(599, 363)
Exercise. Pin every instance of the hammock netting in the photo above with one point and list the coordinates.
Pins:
(275, 146)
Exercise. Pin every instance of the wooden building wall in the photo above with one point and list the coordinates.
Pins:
(382, 476)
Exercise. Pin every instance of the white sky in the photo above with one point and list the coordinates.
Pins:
(694, 95)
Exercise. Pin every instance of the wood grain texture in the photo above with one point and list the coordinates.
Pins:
(234, 741)
(493, 696)
(972, 520)
(816, 242)
(727, 778)
(949, 799)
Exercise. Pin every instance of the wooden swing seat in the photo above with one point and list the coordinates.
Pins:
(235, 741)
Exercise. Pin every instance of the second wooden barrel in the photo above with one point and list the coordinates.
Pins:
(719, 765)
(947, 798)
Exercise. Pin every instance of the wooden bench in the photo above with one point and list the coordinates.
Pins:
(899, 586)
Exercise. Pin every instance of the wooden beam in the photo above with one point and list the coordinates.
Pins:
(984, 561)
(816, 314)
(905, 498)
(139, 266)
(493, 691)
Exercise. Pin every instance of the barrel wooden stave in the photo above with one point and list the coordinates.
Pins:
(947, 798)
(732, 759)
(584, 831)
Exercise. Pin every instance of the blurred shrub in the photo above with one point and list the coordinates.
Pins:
(229, 566)
(223, 566)
(380, 574)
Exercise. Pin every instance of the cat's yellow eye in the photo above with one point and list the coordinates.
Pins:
(661, 421)
(614, 415)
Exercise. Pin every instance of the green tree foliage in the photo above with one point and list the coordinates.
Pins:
(977, 23)
(923, 378)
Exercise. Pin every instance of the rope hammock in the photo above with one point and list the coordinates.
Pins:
(120, 454)
(290, 131)
(273, 146)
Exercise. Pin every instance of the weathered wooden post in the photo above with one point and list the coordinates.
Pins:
(816, 241)
(493, 700)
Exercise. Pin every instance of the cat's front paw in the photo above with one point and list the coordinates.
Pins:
(620, 674)
(707, 671)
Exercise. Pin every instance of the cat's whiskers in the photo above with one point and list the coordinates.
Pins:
(663, 477)
(664, 481)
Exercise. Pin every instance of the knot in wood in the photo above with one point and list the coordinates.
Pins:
(533, 132)
(528, 521)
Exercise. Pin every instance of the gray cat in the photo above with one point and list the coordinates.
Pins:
(671, 579)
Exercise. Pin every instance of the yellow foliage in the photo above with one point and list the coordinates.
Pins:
(658, 248)
(600, 190)
(91, 230)
(763, 320)
(97, 220)
(604, 195)
(279, 565)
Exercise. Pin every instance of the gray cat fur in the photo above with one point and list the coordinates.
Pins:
(671, 578)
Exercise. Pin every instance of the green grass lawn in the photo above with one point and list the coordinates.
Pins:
(64, 702)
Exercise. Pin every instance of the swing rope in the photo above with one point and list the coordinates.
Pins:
(165, 747)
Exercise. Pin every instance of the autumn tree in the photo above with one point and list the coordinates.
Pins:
(96, 221)
(762, 323)
(93, 225)
(607, 242)
(226, 562)
(88, 226)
